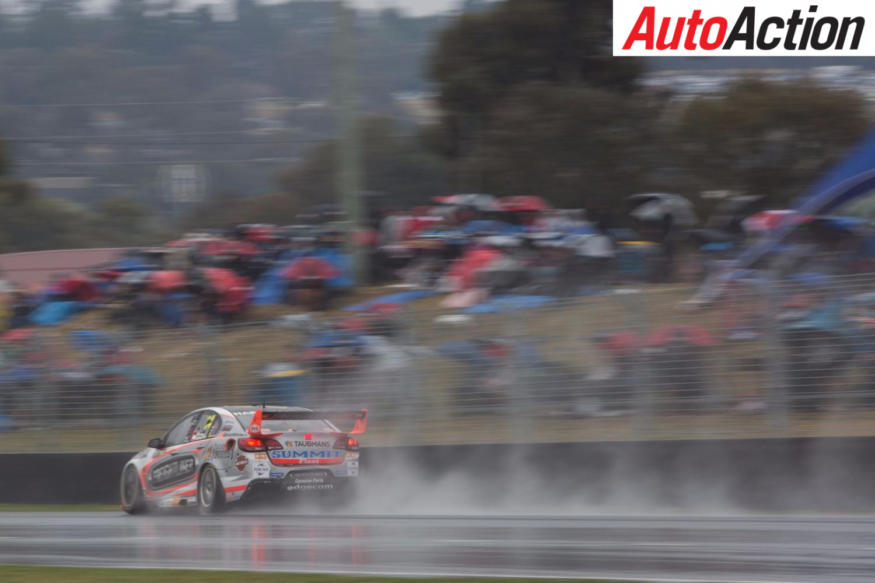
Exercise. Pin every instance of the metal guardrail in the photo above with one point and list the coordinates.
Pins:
(788, 357)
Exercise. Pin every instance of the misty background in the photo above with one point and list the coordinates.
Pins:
(130, 124)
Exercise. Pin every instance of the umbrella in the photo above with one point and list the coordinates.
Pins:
(523, 204)
(590, 245)
(488, 227)
(310, 267)
(766, 221)
(132, 264)
(842, 224)
(17, 334)
(657, 206)
(223, 279)
(733, 209)
(481, 202)
(466, 267)
(167, 280)
(501, 241)
(134, 277)
(695, 335)
(78, 286)
(92, 340)
(259, 233)
(133, 373)
(225, 247)
(281, 370)
(619, 343)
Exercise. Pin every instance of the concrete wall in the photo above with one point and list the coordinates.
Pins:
(38, 267)
(814, 475)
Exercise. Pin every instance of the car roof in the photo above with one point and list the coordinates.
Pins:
(240, 409)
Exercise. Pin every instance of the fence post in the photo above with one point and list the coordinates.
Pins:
(409, 389)
(635, 320)
(519, 392)
(209, 338)
(776, 397)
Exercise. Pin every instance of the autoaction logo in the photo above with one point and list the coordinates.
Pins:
(743, 28)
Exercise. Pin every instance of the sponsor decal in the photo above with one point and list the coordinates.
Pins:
(261, 456)
(277, 474)
(173, 470)
(743, 28)
(309, 443)
(241, 463)
(261, 469)
(309, 480)
(307, 454)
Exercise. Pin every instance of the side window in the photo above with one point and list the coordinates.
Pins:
(208, 425)
(181, 431)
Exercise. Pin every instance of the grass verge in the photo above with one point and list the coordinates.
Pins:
(32, 574)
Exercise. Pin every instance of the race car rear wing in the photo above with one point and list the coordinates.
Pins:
(359, 418)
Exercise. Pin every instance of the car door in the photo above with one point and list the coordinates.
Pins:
(176, 464)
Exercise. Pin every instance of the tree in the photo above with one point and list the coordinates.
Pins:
(483, 56)
(575, 146)
(763, 138)
(227, 210)
(395, 165)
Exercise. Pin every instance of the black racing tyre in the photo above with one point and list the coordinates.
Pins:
(133, 501)
(210, 493)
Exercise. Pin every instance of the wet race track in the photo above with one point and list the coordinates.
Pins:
(758, 548)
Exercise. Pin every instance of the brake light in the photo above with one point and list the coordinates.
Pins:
(251, 444)
(308, 436)
(272, 444)
(346, 442)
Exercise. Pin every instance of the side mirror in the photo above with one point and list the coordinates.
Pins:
(156, 443)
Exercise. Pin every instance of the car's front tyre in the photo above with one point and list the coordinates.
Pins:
(133, 501)
(210, 493)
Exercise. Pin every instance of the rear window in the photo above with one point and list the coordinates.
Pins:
(276, 421)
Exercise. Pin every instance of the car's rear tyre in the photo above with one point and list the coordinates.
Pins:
(210, 493)
(133, 501)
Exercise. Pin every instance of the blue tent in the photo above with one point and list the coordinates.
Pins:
(859, 161)
(851, 178)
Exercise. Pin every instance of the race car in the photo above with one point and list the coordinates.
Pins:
(218, 455)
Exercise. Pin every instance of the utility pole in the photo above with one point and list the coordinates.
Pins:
(348, 173)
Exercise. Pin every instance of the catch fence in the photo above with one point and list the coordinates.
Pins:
(768, 358)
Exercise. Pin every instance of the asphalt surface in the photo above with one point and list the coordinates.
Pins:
(702, 549)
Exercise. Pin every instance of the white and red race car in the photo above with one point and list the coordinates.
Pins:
(217, 455)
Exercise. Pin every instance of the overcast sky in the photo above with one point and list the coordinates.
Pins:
(414, 7)
(411, 6)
